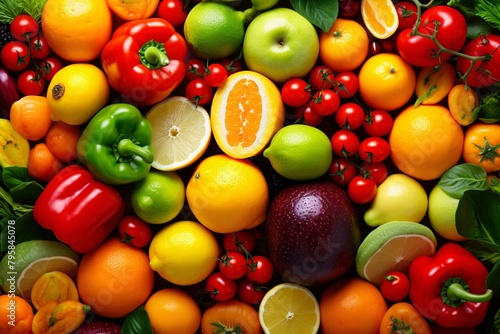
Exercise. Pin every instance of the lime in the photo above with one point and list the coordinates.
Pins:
(33, 259)
(399, 197)
(300, 152)
(184, 252)
(214, 30)
(441, 213)
(392, 247)
(289, 308)
(159, 197)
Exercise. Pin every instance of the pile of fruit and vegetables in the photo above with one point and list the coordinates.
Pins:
(249, 166)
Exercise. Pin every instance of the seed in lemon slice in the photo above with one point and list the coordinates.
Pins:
(289, 308)
(392, 247)
(181, 133)
(380, 17)
(246, 112)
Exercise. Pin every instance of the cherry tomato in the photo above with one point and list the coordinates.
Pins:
(346, 84)
(349, 8)
(374, 170)
(249, 292)
(260, 270)
(194, 69)
(407, 14)
(378, 123)
(135, 231)
(231, 65)
(308, 115)
(215, 75)
(198, 91)
(49, 67)
(350, 116)
(23, 27)
(220, 287)
(29, 83)
(345, 143)
(325, 102)
(362, 190)
(342, 171)
(295, 92)
(241, 241)
(15, 56)
(39, 48)
(395, 286)
(233, 265)
(374, 149)
(321, 77)
(172, 11)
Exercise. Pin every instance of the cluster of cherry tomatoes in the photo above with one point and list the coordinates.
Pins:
(29, 54)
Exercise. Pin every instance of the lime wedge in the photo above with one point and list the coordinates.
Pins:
(393, 246)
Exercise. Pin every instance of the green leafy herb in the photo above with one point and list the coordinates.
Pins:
(137, 322)
(321, 13)
(488, 10)
(9, 9)
(460, 178)
(488, 110)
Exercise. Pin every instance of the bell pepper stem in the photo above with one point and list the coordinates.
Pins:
(456, 292)
(153, 55)
(126, 148)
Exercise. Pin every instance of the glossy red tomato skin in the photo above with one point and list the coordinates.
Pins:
(378, 123)
(308, 116)
(485, 72)
(321, 77)
(345, 143)
(395, 286)
(342, 171)
(233, 265)
(325, 102)
(198, 91)
(23, 27)
(374, 149)
(220, 287)
(39, 48)
(346, 84)
(216, 75)
(295, 92)
(350, 115)
(260, 270)
(30, 84)
(407, 14)
(249, 292)
(15, 56)
(374, 170)
(195, 69)
(362, 190)
(172, 11)
(49, 67)
(135, 231)
(240, 241)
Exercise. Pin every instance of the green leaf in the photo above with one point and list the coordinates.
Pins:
(460, 178)
(23, 188)
(137, 322)
(489, 11)
(493, 279)
(321, 13)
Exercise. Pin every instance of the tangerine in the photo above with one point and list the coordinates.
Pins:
(16, 314)
(30, 116)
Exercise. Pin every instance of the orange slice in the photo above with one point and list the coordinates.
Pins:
(246, 112)
(380, 17)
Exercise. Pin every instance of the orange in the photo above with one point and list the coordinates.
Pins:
(77, 30)
(172, 311)
(246, 112)
(227, 194)
(61, 139)
(425, 141)
(16, 315)
(380, 17)
(30, 116)
(42, 164)
(133, 10)
(386, 81)
(115, 278)
(345, 46)
(351, 305)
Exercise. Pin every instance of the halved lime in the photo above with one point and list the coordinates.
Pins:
(393, 246)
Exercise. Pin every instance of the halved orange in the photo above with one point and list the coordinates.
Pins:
(246, 112)
(380, 17)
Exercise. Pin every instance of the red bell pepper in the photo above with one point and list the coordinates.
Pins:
(449, 288)
(144, 60)
(80, 211)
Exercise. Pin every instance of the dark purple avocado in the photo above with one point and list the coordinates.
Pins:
(312, 232)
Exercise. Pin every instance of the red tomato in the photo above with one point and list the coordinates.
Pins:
(308, 115)
(195, 69)
(135, 231)
(395, 286)
(172, 11)
(342, 171)
(15, 56)
(374, 170)
(23, 27)
(349, 8)
(50, 66)
(29, 83)
(215, 75)
(484, 72)
(220, 287)
(407, 14)
(231, 65)
(39, 48)
(233, 265)
(296, 92)
(378, 123)
(241, 241)
(350, 115)
(260, 270)
(249, 292)
(321, 77)
(325, 102)
(345, 143)
(198, 91)
(362, 190)
(374, 149)
(346, 84)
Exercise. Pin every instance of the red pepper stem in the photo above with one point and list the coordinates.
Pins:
(153, 55)
(455, 292)
(127, 148)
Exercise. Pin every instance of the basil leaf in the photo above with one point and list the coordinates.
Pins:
(456, 180)
(137, 322)
(21, 186)
(321, 13)
(493, 279)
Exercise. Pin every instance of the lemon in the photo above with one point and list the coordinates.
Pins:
(181, 132)
(441, 213)
(300, 152)
(159, 197)
(289, 308)
(214, 30)
(77, 92)
(184, 252)
(399, 197)
(392, 247)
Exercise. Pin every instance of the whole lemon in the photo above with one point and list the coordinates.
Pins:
(184, 252)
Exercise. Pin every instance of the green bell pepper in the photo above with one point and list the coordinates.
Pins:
(116, 145)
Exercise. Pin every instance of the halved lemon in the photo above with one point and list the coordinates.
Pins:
(289, 308)
(181, 133)
(380, 17)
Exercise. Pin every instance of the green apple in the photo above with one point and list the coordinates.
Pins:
(280, 44)
(441, 213)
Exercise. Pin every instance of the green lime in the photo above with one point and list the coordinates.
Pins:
(159, 197)
(30, 260)
(392, 247)
(214, 30)
(300, 152)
